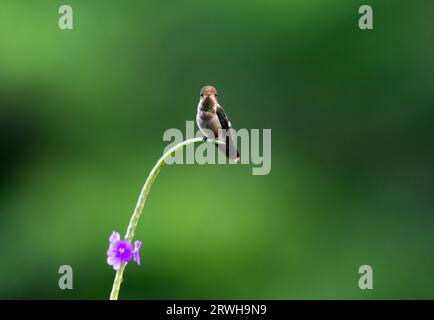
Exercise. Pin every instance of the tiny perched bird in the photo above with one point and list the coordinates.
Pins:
(211, 118)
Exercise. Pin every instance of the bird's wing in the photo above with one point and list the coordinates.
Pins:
(228, 148)
(223, 118)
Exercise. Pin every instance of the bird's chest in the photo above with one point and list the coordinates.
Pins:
(209, 120)
(206, 116)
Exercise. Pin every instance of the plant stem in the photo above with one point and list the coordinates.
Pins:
(141, 202)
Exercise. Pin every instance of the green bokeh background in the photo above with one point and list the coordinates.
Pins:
(82, 114)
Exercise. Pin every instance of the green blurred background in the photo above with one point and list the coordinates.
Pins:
(82, 114)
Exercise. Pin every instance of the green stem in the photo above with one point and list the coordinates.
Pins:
(141, 202)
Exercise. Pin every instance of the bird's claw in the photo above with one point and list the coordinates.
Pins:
(205, 139)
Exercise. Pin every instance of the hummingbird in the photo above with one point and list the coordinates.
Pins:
(211, 117)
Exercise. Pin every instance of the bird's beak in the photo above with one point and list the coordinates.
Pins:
(212, 98)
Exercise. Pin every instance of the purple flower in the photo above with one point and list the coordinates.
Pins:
(121, 251)
(136, 256)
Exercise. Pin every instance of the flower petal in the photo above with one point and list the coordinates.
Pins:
(115, 237)
(135, 252)
(117, 265)
(137, 245)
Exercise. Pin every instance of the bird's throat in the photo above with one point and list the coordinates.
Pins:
(208, 105)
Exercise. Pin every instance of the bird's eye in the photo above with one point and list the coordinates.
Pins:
(201, 94)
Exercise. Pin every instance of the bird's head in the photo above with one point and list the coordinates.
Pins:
(208, 98)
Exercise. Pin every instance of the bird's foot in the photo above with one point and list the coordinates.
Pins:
(205, 139)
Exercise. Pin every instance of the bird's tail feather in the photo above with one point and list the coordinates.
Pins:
(229, 149)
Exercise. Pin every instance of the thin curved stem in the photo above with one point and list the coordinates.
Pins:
(141, 202)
